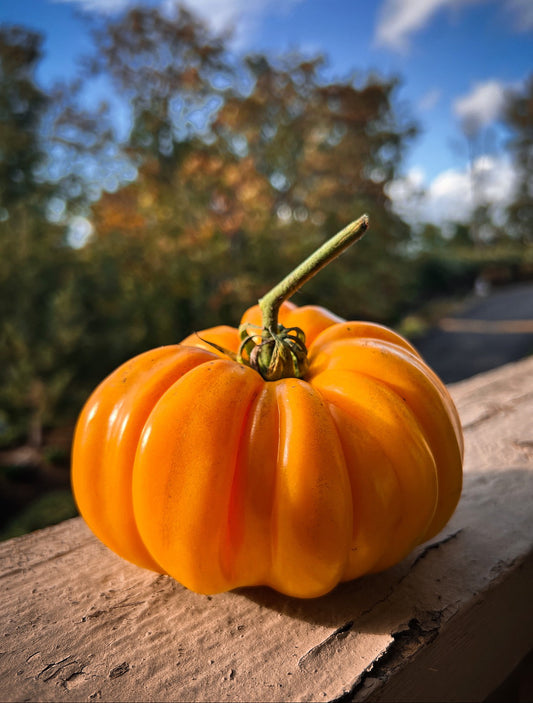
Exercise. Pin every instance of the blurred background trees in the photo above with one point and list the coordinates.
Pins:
(238, 159)
(519, 118)
(210, 175)
(35, 276)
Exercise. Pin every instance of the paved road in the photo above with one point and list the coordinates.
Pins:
(488, 332)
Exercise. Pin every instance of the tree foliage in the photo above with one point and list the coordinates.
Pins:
(244, 166)
(519, 118)
(21, 107)
(35, 276)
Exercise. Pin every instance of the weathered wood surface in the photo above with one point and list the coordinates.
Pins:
(449, 623)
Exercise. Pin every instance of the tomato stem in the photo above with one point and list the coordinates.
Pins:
(279, 352)
(272, 301)
(276, 351)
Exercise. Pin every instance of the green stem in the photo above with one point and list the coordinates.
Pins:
(272, 301)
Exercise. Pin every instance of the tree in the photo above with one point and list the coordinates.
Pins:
(244, 166)
(21, 107)
(36, 276)
(328, 150)
(519, 119)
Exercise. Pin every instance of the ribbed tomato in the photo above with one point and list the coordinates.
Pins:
(190, 463)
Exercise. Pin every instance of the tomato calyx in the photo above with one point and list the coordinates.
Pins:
(274, 354)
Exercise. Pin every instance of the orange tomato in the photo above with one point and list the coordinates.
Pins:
(190, 463)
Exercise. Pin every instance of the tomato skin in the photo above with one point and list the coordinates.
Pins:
(106, 439)
(189, 463)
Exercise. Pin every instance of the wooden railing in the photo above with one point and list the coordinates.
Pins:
(448, 624)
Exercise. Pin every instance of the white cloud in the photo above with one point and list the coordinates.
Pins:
(522, 12)
(449, 197)
(483, 105)
(400, 19)
(107, 7)
(242, 16)
(453, 194)
(221, 14)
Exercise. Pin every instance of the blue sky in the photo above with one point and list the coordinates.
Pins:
(456, 60)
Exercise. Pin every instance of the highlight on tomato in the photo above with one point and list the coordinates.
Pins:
(296, 451)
